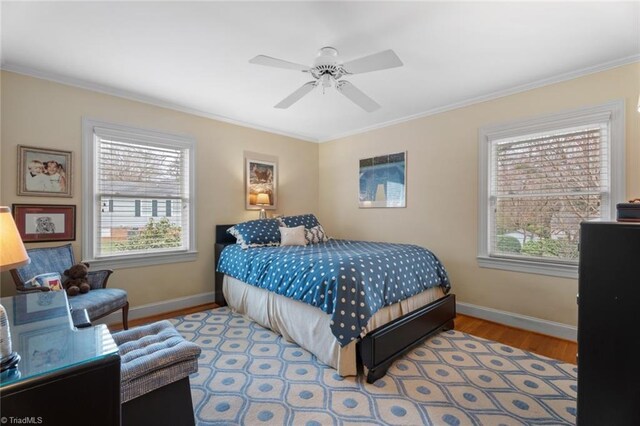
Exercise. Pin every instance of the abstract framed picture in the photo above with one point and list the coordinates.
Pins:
(43, 222)
(44, 172)
(261, 180)
(382, 181)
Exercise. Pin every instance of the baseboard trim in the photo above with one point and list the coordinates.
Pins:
(550, 328)
(157, 308)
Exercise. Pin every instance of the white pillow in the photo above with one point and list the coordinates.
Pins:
(293, 236)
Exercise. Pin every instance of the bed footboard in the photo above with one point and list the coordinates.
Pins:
(383, 345)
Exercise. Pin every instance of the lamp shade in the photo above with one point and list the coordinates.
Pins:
(262, 199)
(12, 251)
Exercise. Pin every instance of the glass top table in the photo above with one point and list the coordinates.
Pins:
(43, 335)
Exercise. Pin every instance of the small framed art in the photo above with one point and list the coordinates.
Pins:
(261, 178)
(44, 172)
(382, 181)
(42, 222)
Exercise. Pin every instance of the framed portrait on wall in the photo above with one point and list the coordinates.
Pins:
(261, 181)
(44, 172)
(382, 181)
(42, 222)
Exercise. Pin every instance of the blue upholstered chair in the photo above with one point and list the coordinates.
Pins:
(98, 302)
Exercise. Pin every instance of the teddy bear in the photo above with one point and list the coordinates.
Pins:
(77, 281)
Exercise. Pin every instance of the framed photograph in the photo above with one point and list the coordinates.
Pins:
(383, 181)
(44, 172)
(42, 222)
(261, 178)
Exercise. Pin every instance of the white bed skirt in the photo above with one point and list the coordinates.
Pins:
(307, 325)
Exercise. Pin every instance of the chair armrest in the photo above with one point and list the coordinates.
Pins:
(98, 279)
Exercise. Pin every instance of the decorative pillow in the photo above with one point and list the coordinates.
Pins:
(257, 233)
(53, 280)
(293, 236)
(308, 220)
(315, 235)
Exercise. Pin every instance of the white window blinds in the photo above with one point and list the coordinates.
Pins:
(142, 194)
(542, 186)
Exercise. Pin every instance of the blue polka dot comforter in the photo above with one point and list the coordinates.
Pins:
(350, 280)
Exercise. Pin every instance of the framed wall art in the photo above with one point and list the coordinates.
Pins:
(261, 180)
(42, 222)
(44, 172)
(382, 181)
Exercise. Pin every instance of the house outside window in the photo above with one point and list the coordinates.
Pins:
(138, 189)
(539, 179)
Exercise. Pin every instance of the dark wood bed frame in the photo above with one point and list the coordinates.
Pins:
(380, 347)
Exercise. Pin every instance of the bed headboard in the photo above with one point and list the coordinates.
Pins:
(222, 240)
(222, 237)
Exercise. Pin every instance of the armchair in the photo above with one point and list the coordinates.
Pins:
(99, 301)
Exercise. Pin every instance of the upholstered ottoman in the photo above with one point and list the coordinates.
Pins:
(154, 373)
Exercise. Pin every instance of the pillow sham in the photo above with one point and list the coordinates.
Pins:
(53, 280)
(308, 220)
(257, 233)
(315, 235)
(293, 236)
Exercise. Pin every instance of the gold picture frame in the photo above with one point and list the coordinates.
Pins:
(45, 172)
(261, 177)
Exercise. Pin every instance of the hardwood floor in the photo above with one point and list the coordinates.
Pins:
(159, 317)
(541, 344)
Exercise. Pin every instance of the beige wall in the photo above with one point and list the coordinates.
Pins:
(442, 199)
(442, 196)
(45, 114)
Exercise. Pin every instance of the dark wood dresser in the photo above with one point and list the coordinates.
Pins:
(608, 311)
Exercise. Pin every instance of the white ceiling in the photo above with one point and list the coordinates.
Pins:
(194, 56)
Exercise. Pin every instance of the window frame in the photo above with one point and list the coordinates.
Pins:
(611, 112)
(90, 220)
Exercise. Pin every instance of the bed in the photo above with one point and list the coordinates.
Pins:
(374, 332)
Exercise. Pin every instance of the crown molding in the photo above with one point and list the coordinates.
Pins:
(133, 96)
(83, 84)
(494, 95)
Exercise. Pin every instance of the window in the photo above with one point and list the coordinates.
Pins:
(138, 196)
(539, 179)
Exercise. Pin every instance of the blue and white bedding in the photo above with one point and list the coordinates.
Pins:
(350, 280)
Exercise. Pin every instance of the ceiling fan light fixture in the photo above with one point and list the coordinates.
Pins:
(326, 80)
(328, 69)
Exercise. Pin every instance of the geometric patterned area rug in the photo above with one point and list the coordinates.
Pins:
(249, 375)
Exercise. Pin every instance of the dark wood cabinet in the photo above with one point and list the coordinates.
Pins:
(608, 308)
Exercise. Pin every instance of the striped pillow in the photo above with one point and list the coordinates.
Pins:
(315, 235)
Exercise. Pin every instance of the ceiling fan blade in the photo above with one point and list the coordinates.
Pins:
(375, 62)
(357, 96)
(278, 63)
(297, 95)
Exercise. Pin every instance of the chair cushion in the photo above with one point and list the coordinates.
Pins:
(99, 302)
(152, 356)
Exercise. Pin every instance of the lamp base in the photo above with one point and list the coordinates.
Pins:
(263, 214)
(10, 361)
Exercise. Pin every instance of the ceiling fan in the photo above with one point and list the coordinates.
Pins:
(327, 71)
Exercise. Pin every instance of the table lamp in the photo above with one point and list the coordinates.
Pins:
(12, 255)
(262, 200)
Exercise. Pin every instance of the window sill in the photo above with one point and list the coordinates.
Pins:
(120, 262)
(529, 267)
